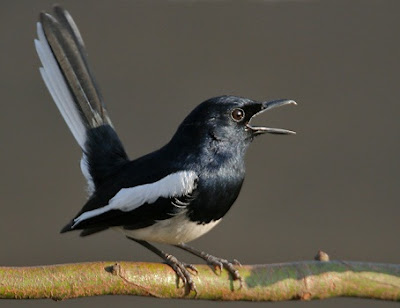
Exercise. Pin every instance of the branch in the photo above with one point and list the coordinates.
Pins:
(276, 282)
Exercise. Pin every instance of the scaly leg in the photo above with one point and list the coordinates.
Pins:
(180, 268)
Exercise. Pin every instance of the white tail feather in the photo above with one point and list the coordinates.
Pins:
(58, 88)
(87, 175)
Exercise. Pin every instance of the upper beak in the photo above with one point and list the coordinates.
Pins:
(257, 130)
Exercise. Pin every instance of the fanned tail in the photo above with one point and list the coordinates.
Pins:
(68, 77)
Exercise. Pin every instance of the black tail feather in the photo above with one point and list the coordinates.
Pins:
(84, 111)
(67, 227)
(84, 232)
(67, 46)
(91, 231)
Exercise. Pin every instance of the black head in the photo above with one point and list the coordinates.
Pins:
(227, 119)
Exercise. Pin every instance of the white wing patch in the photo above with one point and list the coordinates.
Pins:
(127, 199)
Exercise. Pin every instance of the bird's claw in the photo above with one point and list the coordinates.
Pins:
(220, 264)
(191, 267)
(181, 270)
(218, 267)
(237, 263)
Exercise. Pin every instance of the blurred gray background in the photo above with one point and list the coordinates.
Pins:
(334, 186)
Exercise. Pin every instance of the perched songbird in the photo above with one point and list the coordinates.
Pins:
(172, 195)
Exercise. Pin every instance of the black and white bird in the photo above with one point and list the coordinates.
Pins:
(172, 195)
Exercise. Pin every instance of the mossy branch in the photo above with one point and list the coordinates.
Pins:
(276, 282)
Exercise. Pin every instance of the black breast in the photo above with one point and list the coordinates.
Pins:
(219, 164)
(217, 190)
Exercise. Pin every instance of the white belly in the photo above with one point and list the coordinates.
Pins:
(176, 230)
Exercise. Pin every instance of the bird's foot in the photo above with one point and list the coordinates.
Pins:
(219, 263)
(181, 269)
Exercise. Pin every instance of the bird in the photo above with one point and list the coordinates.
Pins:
(172, 195)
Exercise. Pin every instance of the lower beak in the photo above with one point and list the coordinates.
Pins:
(258, 130)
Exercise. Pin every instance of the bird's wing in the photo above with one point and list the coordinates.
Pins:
(68, 77)
(139, 205)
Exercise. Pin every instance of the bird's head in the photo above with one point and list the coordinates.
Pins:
(228, 119)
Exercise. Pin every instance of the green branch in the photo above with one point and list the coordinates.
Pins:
(276, 282)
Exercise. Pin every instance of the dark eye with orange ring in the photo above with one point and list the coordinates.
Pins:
(237, 114)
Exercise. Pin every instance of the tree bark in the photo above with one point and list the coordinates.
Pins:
(275, 282)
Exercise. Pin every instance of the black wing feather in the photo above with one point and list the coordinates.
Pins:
(144, 170)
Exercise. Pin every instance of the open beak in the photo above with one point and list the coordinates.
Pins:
(258, 130)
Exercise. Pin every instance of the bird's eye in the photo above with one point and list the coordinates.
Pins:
(237, 114)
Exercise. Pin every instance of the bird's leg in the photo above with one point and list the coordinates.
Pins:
(215, 261)
(180, 268)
